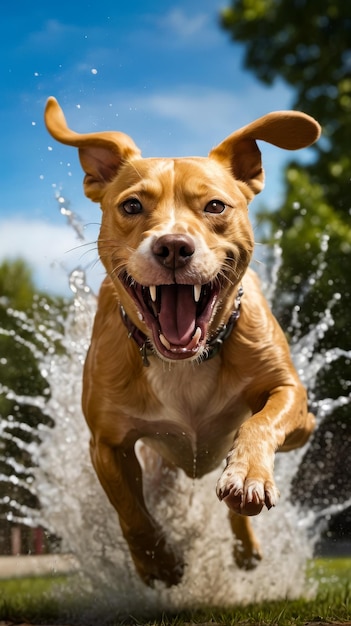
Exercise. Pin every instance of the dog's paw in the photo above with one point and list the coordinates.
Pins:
(168, 576)
(247, 557)
(246, 496)
(159, 563)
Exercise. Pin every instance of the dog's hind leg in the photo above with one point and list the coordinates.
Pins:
(247, 552)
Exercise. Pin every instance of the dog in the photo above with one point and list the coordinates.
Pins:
(185, 353)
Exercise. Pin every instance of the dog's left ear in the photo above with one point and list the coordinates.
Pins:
(290, 130)
(101, 154)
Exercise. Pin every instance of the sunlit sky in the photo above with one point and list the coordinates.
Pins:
(163, 72)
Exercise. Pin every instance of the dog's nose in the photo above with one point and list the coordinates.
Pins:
(173, 251)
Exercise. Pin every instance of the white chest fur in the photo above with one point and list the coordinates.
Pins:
(197, 415)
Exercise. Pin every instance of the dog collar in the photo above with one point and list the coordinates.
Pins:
(213, 345)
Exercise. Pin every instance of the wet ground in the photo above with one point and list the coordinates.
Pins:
(22, 566)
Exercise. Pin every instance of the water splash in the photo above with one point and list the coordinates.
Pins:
(75, 508)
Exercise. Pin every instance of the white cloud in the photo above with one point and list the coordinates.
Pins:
(190, 28)
(202, 108)
(184, 25)
(195, 114)
(52, 251)
(199, 111)
(200, 118)
(52, 32)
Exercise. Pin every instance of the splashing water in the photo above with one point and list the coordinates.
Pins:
(75, 508)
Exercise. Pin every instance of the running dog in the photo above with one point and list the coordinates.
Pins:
(185, 353)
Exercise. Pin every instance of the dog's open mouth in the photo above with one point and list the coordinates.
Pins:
(177, 315)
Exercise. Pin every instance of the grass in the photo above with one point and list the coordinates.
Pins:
(30, 598)
(34, 599)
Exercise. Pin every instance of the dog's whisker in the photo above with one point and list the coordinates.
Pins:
(82, 245)
(95, 250)
(93, 224)
(116, 271)
(95, 263)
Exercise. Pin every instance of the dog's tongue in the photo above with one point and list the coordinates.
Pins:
(177, 316)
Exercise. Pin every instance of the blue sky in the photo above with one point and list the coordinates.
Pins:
(163, 72)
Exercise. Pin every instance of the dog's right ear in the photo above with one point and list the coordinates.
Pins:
(101, 154)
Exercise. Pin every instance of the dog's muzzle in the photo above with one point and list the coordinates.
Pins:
(178, 317)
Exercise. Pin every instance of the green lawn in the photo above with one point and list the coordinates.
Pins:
(32, 599)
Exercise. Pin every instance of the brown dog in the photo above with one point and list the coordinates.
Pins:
(178, 357)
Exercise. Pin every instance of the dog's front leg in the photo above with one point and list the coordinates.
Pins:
(247, 483)
(120, 475)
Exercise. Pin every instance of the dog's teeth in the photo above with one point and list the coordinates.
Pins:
(165, 342)
(197, 292)
(197, 334)
(153, 293)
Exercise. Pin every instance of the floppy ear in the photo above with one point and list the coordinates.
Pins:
(290, 130)
(101, 154)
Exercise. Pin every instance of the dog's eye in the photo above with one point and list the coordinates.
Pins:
(215, 206)
(132, 206)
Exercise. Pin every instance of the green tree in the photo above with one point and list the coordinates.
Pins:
(308, 45)
(16, 283)
(26, 328)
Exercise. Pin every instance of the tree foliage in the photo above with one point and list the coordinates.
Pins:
(27, 327)
(308, 45)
